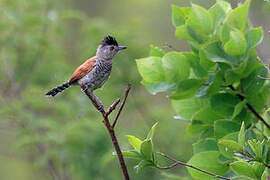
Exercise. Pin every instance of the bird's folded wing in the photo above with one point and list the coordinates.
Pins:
(82, 70)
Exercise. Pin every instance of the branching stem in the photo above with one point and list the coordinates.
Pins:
(110, 128)
(176, 162)
(251, 108)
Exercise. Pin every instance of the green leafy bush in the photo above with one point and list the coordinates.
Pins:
(217, 88)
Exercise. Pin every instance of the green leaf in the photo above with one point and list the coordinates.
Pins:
(228, 153)
(206, 115)
(187, 107)
(150, 69)
(238, 108)
(200, 20)
(224, 127)
(146, 149)
(255, 37)
(194, 61)
(230, 145)
(257, 148)
(208, 144)
(242, 178)
(142, 164)
(248, 65)
(130, 154)
(176, 67)
(134, 142)
(213, 52)
(209, 161)
(241, 135)
(156, 51)
(152, 131)
(237, 44)
(196, 127)
(182, 33)
(243, 168)
(155, 88)
(224, 103)
(258, 169)
(252, 84)
(179, 15)
(219, 12)
(237, 18)
(187, 89)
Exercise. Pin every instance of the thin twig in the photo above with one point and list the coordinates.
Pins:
(122, 105)
(251, 108)
(176, 162)
(110, 128)
(113, 106)
(264, 78)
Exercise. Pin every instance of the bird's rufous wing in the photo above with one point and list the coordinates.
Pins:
(82, 70)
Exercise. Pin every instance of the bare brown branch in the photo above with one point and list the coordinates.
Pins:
(122, 105)
(110, 128)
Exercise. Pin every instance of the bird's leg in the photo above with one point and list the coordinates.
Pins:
(97, 102)
(101, 107)
(84, 88)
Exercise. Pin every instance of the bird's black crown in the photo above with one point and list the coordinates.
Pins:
(109, 40)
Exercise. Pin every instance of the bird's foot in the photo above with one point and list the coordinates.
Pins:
(101, 108)
(84, 89)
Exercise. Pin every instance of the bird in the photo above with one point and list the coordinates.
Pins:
(95, 71)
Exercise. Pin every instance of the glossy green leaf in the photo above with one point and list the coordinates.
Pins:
(206, 115)
(200, 20)
(213, 52)
(150, 69)
(156, 51)
(219, 11)
(228, 153)
(237, 44)
(224, 127)
(130, 154)
(243, 168)
(187, 107)
(208, 144)
(152, 131)
(194, 61)
(252, 84)
(224, 103)
(187, 89)
(196, 127)
(142, 164)
(230, 145)
(146, 149)
(155, 88)
(208, 161)
(238, 108)
(255, 37)
(176, 67)
(241, 135)
(134, 142)
(179, 15)
(182, 33)
(237, 18)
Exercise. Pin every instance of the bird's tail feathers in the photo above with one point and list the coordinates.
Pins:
(58, 89)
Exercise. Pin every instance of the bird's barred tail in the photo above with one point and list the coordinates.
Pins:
(58, 89)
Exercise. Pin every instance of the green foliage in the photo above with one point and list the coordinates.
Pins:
(218, 89)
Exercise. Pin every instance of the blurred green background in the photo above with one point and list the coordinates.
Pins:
(41, 44)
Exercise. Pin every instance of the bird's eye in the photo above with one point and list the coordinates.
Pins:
(111, 48)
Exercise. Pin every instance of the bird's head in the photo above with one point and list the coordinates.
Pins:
(108, 48)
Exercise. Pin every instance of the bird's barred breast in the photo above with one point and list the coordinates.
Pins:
(97, 76)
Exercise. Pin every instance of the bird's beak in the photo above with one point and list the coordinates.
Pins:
(121, 48)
